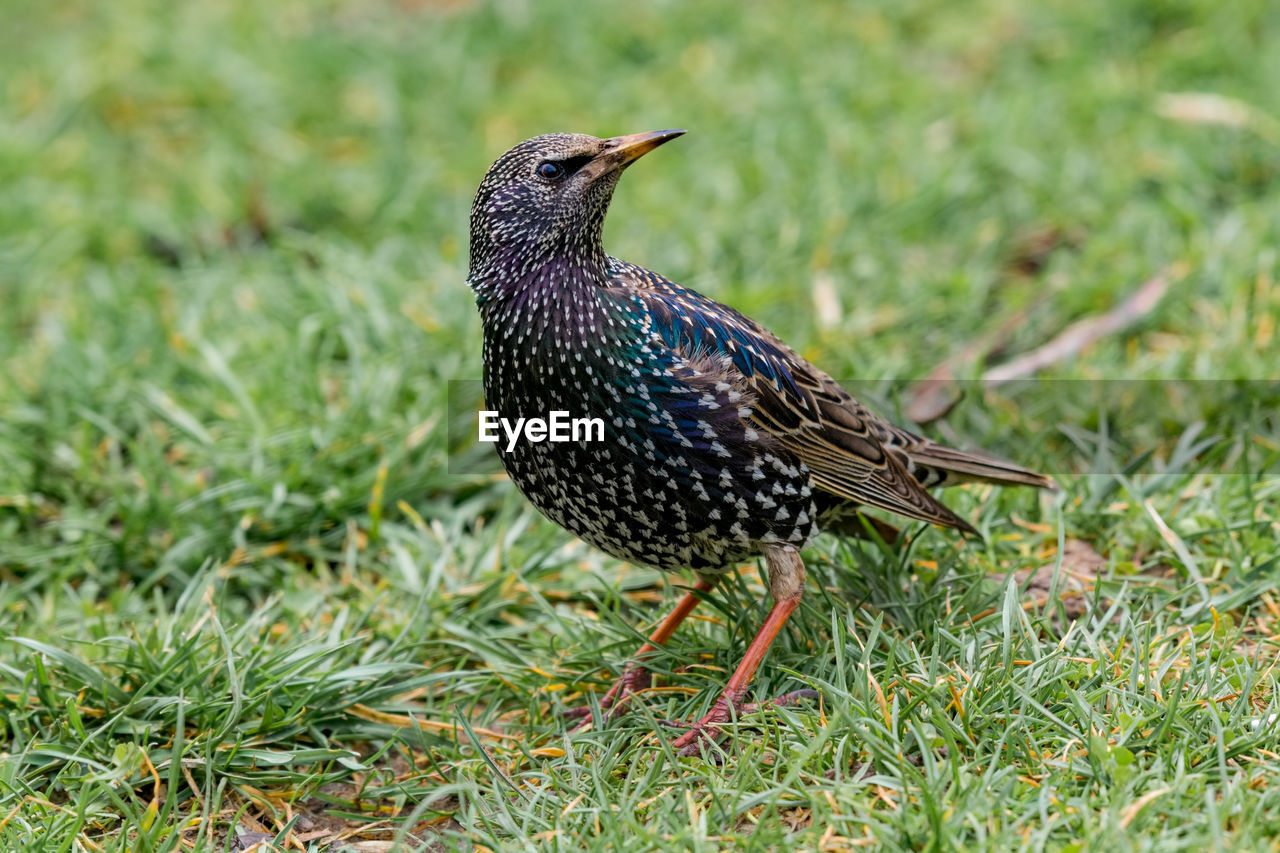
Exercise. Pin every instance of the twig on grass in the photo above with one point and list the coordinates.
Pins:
(1081, 333)
(934, 396)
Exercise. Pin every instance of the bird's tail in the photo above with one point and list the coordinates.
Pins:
(962, 466)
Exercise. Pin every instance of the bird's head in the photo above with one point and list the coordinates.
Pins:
(547, 197)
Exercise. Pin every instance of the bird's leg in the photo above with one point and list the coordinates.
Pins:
(635, 677)
(786, 584)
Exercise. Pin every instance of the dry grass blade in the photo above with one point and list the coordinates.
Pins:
(1214, 109)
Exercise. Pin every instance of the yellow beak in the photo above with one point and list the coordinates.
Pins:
(621, 151)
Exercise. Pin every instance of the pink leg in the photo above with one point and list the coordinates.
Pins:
(635, 677)
(786, 583)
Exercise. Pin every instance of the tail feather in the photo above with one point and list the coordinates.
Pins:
(963, 466)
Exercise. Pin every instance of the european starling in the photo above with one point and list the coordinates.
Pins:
(719, 442)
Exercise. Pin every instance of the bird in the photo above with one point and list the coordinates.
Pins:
(720, 443)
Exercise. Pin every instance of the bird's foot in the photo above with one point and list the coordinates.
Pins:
(726, 708)
(708, 728)
(616, 702)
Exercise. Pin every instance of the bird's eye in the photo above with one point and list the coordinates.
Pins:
(550, 171)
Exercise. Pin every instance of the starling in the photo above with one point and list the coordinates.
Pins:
(719, 442)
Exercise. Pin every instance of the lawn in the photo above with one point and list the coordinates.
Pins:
(257, 587)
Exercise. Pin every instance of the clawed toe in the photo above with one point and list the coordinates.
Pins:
(708, 728)
(795, 697)
(616, 702)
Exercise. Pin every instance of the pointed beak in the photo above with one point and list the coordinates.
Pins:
(621, 151)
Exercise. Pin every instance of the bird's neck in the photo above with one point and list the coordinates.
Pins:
(562, 297)
(512, 256)
(511, 271)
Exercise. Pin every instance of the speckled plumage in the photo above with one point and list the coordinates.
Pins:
(719, 438)
(720, 442)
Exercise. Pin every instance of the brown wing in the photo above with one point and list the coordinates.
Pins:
(839, 439)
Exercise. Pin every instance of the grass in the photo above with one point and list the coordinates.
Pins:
(247, 601)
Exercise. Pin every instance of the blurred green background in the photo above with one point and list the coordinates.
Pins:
(901, 148)
(232, 270)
